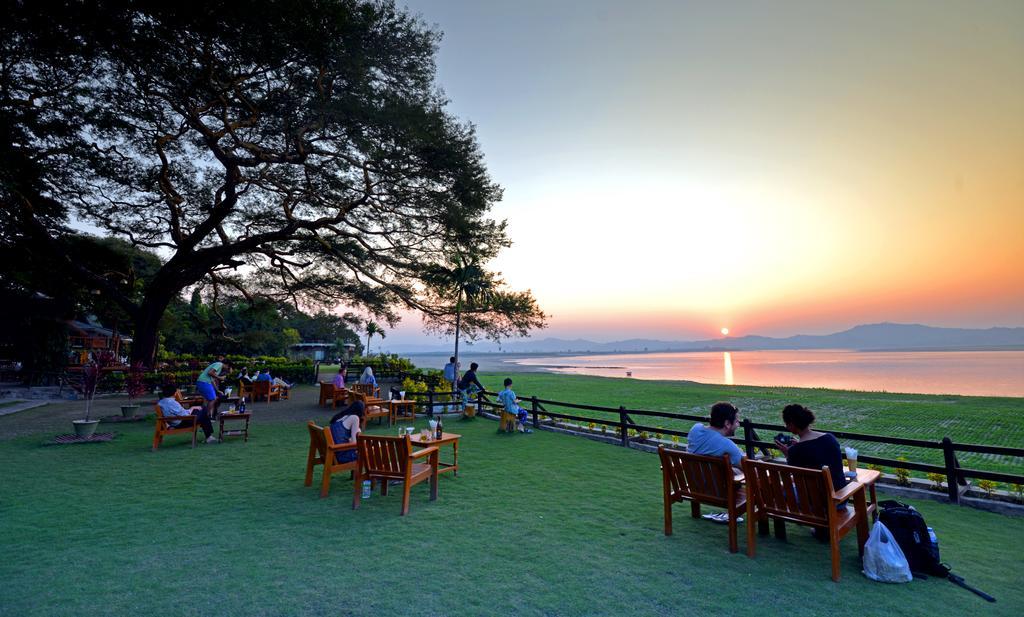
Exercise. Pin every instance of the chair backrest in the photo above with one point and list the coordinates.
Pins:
(363, 388)
(158, 410)
(797, 493)
(708, 479)
(318, 437)
(384, 456)
(261, 388)
(326, 389)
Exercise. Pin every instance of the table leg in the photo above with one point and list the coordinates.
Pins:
(455, 457)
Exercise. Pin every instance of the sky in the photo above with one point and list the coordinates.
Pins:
(777, 168)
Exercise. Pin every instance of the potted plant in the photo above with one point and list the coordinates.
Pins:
(91, 374)
(135, 386)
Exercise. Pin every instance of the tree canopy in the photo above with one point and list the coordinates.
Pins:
(292, 150)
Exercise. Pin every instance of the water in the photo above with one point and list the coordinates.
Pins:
(986, 373)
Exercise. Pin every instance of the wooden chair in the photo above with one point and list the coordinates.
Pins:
(701, 479)
(392, 458)
(329, 393)
(366, 388)
(806, 497)
(323, 451)
(245, 390)
(265, 390)
(375, 408)
(187, 424)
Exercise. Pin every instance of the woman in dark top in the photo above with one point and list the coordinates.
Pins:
(345, 425)
(814, 449)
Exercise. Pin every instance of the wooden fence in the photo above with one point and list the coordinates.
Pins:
(623, 422)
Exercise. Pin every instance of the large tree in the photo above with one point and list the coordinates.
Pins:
(298, 150)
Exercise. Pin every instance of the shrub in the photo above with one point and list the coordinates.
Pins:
(902, 475)
(876, 467)
(591, 426)
(936, 479)
(1018, 490)
(675, 439)
(643, 434)
(988, 486)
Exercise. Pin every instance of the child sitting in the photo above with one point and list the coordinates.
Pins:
(511, 403)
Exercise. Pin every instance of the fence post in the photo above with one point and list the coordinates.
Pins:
(624, 438)
(533, 410)
(430, 403)
(952, 476)
(748, 438)
(479, 401)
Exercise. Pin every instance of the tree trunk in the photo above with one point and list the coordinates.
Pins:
(458, 324)
(146, 336)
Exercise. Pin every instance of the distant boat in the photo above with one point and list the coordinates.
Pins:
(629, 373)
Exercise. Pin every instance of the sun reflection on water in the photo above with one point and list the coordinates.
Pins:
(727, 361)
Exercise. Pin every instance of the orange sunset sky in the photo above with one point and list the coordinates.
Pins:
(776, 168)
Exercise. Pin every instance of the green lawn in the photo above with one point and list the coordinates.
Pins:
(544, 524)
(965, 419)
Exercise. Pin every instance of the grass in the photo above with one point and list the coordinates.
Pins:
(544, 524)
(965, 419)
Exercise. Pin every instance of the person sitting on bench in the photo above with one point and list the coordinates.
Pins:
(171, 407)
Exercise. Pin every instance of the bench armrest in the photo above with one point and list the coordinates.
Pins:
(848, 491)
(423, 452)
(337, 447)
(168, 419)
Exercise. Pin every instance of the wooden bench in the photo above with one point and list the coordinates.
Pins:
(807, 497)
(323, 451)
(701, 480)
(187, 424)
(265, 390)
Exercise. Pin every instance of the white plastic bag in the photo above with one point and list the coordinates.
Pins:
(883, 560)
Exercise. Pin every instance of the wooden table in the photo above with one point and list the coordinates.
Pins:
(233, 417)
(402, 410)
(417, 440)
(868, 477)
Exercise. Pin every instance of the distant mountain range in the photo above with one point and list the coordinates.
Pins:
(874, 337)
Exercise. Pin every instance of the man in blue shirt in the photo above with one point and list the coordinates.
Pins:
(714, 440)
(451, 372)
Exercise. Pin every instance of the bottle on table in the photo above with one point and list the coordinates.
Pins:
(241, 405)
(440, 429)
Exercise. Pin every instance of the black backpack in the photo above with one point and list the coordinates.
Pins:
(911, 533)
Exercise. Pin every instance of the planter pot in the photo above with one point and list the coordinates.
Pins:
(470, 411)
(85, 428)
(128, 411)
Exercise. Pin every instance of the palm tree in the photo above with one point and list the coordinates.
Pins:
(469, 283)
(371, 329)
(462, 288)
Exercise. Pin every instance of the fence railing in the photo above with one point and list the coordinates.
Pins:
(623, 422)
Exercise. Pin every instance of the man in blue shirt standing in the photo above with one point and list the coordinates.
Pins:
(714, 440)
(451, 372)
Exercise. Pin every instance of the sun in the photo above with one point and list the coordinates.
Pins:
(725, 331)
